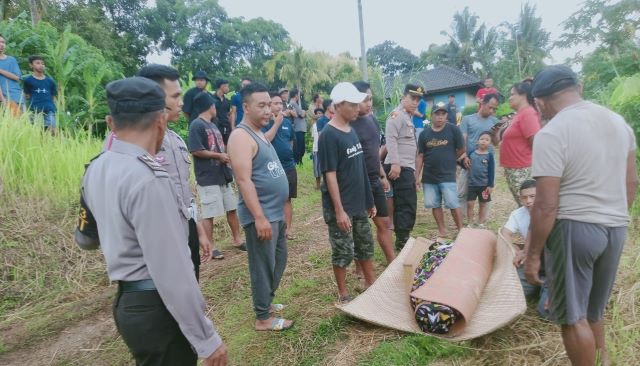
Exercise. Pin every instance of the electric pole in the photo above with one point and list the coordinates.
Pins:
(363, 51)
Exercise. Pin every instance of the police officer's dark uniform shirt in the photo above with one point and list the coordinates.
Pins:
(146, 241)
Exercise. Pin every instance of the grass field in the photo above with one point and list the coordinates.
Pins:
(55, 299)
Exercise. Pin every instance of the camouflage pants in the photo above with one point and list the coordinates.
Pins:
(515, 178)
(345, 246)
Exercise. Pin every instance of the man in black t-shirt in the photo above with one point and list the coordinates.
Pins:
(223, 108)
(439, 145)
(213, 174)
(201, 79)
(368, 132)
(346, 193)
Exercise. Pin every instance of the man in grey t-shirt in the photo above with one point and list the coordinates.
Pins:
(584, 162)
(471, 127)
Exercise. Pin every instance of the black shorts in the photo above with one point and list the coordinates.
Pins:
(379, 198)
(292, 177)
(476, 193)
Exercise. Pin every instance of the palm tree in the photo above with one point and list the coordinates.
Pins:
(529, 43)
(469, 43)
(299, 68)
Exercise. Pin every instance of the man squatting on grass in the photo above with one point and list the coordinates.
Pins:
(584, 163)
(263, 191)
(346, 192)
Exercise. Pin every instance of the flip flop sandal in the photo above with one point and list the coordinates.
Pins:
(242, 247)
(216, 254)
(276, 308)
(344, 300)
(290, 237)
(278, 325)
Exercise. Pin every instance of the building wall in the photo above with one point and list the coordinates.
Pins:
(464, 97)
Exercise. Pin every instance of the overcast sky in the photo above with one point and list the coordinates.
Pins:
(332, 25)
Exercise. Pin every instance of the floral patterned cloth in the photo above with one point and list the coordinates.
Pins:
(432, 317)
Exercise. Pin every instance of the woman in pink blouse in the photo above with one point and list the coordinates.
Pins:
(517, 140)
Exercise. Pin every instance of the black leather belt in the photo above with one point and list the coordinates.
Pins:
(134, 286)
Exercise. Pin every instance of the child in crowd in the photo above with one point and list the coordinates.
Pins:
(481, 178)
(40, 91)
(518, 223)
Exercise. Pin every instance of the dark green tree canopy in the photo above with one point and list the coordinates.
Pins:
(392, 58)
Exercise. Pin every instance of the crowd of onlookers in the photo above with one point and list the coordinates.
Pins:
(36, 92)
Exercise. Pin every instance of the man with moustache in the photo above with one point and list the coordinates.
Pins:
(263, 191)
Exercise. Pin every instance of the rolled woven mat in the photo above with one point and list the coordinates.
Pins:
(386, 302)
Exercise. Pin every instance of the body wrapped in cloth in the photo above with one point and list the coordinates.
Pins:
(476, 279)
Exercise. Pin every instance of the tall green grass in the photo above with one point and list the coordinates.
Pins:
(35, 164)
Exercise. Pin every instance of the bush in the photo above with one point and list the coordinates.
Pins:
(470, 109)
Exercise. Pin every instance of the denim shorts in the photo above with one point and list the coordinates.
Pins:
(50, 119)
(435, 194)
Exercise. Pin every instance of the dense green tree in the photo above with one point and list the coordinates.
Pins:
(200, 35)
(392, 58)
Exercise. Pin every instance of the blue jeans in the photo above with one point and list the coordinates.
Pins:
(435, 194)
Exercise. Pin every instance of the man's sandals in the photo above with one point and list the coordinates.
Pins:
(278, 325)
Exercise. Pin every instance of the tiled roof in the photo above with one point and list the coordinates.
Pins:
(439, 79)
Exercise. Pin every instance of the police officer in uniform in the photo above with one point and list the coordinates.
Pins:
(400, 162)
(141, 227)
(175, 158)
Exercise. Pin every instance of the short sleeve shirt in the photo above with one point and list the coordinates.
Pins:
(587, 146)
(223, 107)
(321, 122)
(518, 222)
(439, 152)
(368, 132)
(515, 151)
(299, 123)
(422, 109)
(205, 135)
(10, 88)
(236, 101)
(41, 93)
(473, 125)
(188, 98)
(282, 143)
(341, 152)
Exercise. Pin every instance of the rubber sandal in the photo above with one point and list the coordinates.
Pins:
(290, 237)
(277, 325)
(242, 247)
(216, 254)
(276, 308)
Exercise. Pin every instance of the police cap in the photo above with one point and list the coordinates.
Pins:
(135, 95)
(552, 79)
(414, 90)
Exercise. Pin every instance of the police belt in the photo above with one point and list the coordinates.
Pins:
(135, 286)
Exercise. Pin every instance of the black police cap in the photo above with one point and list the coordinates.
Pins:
(414, 90)
(552, 79)
(135, 95)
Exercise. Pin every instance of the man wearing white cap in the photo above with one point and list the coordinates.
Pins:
(347, 201)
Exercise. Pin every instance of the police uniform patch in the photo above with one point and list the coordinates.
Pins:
(158, 170)
(393, 115)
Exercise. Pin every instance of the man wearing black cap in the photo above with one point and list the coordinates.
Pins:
(439, 146)
(400, 162)
(584, 162)
(223, 108)
(159, 310)
(201, 79)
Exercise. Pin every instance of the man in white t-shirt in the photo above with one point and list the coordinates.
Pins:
(518, 223)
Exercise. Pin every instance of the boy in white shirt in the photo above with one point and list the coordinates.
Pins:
(518, 223)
